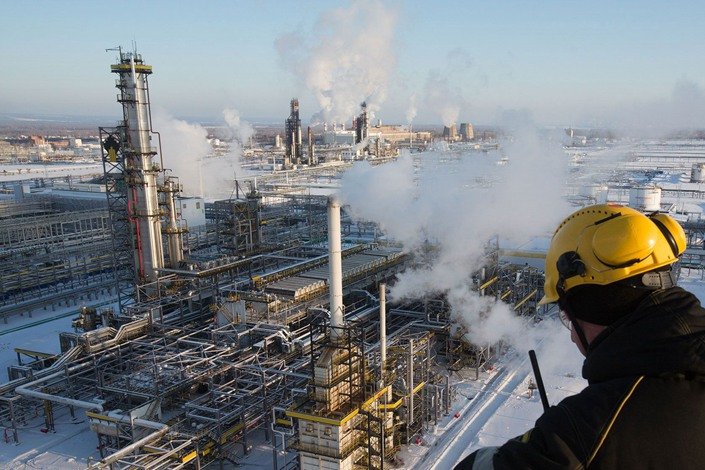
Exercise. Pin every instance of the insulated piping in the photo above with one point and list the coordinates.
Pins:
(25, 391)
(161, 429)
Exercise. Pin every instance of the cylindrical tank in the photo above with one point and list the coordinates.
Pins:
(645, 198)
(597, 192)
(697, 173)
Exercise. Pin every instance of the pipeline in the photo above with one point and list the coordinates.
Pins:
(160, 430)
(25, 390)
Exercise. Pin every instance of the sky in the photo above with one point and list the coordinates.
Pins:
(559, 62)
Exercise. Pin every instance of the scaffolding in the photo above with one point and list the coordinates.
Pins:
(121, 227)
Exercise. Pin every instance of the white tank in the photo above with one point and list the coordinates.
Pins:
(597, 192)
(645, 198)
(697, 173)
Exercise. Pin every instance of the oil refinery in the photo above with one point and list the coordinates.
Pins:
(269, 325)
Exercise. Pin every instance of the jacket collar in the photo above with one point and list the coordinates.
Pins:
(664, 335)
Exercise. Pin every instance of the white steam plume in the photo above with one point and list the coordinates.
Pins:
(412, 109)
(453, 207)
(443, 98)
(239, 130)
(440, 94)
(346, 59)
(184, 145)
(219, 173)
(684, 109)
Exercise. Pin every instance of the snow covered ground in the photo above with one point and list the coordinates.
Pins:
(29, 171)
(73, 443)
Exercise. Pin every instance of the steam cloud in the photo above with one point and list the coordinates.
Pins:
(220, 173)
(683, 110)
(453, 206)
(347, 58)
(412, 110)
(183, 147)
(186, 151)
(440, 95)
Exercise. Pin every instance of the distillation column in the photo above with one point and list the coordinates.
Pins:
(293, 136)
(141, 171)
(174, 230)
(362, 129)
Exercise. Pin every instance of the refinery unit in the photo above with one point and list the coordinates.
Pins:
(273, 326)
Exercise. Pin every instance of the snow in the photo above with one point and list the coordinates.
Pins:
(30, 171)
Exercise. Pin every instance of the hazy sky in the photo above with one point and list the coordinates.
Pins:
(563, 62)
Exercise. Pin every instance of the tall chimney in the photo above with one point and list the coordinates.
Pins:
(335, 262)
(383, 327)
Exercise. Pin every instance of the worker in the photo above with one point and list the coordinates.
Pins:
(610, 270)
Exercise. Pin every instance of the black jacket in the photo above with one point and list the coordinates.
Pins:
(643, 408)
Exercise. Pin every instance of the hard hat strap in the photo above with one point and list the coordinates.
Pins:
(659, 279)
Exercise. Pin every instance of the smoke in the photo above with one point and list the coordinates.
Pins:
(239, 130)
(220, 172)
(441, 95)
(443, 98)
(456, 205)
(412, 110)
(684, 109)
(346, 59)
(184, 145)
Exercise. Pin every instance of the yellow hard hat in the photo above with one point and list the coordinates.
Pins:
(606, 243)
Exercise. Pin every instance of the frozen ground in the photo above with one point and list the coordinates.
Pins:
(29, 171)
(73, 443)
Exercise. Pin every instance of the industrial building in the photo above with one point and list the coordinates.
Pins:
(261, 319)
(270, 324)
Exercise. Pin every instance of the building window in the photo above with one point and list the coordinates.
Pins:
(184, 206)
(198, 205)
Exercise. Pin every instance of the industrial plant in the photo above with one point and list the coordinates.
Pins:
(269, 325)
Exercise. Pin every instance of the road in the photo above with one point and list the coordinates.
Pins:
(455, 441)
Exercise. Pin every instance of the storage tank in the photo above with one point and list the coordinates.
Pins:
(597, 192)
(645, 198)
(697, 173)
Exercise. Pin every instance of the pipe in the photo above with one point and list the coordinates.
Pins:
(24, 390)
(383, 328)
(161, 429)
(337, 309)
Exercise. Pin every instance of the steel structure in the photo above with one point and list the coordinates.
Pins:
(140, 171)
(293, 152)
(117, 188)
(270, 329)
(50, 258)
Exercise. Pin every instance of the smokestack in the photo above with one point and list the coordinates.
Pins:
(311, 157)
(383, 328)
(335, 262)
